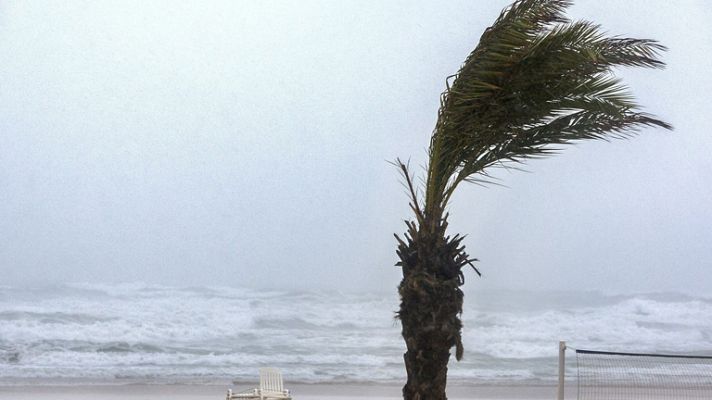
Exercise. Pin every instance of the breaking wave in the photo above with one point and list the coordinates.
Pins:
(158, 334)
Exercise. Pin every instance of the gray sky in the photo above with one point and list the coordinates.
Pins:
(245, 143)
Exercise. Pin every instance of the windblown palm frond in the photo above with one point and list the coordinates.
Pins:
(536, 80)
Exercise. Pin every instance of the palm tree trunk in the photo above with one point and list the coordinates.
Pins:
(431, 302)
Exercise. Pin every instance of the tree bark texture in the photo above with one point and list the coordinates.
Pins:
(431, 303)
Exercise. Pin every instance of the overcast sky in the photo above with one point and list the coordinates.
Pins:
(246, 144)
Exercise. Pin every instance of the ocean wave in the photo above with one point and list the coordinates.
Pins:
(152, 332)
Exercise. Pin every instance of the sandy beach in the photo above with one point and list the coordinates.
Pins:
(299, 392)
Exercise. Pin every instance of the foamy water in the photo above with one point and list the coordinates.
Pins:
(145, 333)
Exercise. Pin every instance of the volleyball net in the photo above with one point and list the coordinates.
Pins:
(631, 376)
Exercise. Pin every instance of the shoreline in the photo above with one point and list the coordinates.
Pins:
(317, 391)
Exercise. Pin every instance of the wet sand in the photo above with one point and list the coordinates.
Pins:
(299, 392)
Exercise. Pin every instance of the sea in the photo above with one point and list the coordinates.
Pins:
(141, 333)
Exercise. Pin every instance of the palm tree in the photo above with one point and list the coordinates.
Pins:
(534, 82)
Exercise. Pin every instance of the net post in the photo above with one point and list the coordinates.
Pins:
(562, 369)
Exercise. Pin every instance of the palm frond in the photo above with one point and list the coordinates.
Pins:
(534, 80)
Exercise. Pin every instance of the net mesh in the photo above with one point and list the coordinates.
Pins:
(630, 376)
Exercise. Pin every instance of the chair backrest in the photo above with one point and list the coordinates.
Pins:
(271, 380)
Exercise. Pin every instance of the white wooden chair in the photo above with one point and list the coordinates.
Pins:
(271, 387)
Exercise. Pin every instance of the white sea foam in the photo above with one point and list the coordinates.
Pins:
(156, 333)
